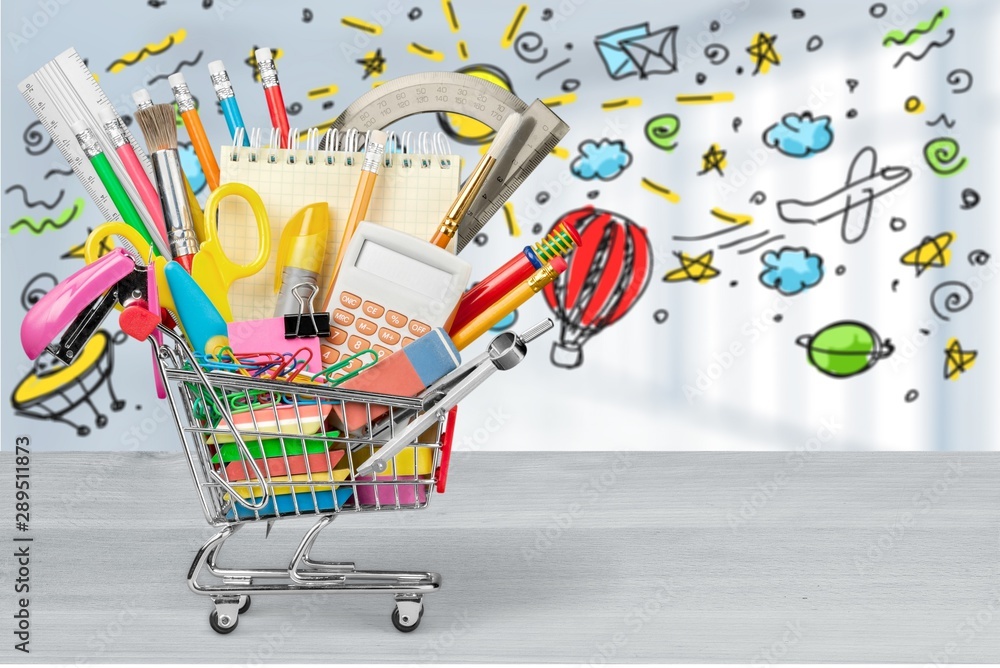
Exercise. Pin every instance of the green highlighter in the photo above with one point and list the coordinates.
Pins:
(273, 447)
(92, 149)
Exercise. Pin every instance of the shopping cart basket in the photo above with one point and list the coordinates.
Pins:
(258, 451)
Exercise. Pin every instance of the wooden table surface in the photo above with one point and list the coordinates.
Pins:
(548, 557)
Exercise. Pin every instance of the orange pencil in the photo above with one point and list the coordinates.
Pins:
(362, 196)
(196, 131)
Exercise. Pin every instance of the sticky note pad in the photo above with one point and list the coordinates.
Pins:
(281, 418)
(272, 467)
(268, 336)
(405, 373)
(286, 504)
(272, 447)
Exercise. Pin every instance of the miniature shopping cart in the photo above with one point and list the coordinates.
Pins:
(258, 451)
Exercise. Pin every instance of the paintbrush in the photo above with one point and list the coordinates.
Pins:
(160, 130)
(449, 224)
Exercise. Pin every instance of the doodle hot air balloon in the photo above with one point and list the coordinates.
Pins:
(606, 276)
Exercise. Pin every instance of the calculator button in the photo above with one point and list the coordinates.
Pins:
(407, 340)
(353, 365)
(337, 336)
(349, 300)
(342, 317)
(356, 344)
(328, 354)
(395, 319)
(372, 310)
(366, 327)
(418, 328)
(388, 336)
(381, 350)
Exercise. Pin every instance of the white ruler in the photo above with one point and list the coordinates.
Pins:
(62, 91)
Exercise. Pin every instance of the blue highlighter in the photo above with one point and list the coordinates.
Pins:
(202, 323)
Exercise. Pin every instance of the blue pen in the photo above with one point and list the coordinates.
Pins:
(227, 98)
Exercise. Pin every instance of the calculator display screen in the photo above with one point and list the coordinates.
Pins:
(403, 270)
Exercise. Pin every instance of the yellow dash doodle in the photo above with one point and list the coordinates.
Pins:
(559, 100)
(706, 98)
(698, 269)
(735, 218)
(956, 360)
(364, 26)
(463, 50)
(621, 103)
(449, 13)
(662, 191)
(560, 152)
(515, 26)
(322, 91)
(426, 52)
(512, 226)
(134, 57)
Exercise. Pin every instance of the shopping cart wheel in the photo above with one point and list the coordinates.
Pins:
(225, 624)
(246, 604)
(406, 617)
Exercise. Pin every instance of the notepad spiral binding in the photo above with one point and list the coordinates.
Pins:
(406, 148)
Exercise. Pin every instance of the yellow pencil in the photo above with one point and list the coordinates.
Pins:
(510, 301)
(362, 196)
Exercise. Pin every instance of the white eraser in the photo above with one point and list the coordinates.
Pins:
(175, 79)
(378, 136)
(141, 97)
(216, 67)
(78, 126)
(262, 54)
(106, 115)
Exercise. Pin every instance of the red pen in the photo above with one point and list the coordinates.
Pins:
(272, 91)
(560, 242)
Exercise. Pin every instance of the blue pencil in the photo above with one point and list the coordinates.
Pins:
(227, 98)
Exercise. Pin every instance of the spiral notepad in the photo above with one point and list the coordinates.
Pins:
(412, 194)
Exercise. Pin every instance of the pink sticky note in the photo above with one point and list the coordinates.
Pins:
(268, 336)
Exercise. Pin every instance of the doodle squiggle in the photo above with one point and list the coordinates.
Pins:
(32, 204)
(133, 57)
(932, 45)
(180, 66)
(38, 227)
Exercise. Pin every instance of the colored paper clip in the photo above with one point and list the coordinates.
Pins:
(326, 374)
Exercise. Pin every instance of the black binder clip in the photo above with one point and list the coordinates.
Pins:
(306, 323)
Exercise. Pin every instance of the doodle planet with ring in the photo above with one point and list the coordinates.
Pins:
(846, 348)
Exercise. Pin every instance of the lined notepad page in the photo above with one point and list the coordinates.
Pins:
(411, 199)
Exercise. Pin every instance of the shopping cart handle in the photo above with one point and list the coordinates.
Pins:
(504, 352)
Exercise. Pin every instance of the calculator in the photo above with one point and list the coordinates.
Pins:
(392, 288)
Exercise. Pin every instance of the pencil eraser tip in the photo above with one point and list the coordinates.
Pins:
(558, 264)
(378, 136)
(77, 126)
(140, 96)
(263, 54)
(216, 67)
(106, 114)
(175, 79)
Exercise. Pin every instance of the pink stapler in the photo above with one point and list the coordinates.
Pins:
(78, 305)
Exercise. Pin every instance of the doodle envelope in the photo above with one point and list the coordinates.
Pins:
(636, 50)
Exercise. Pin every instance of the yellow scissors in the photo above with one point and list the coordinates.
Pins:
(211, 268)
(97, 244)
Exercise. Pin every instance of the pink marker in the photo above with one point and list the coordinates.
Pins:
(149, 195)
